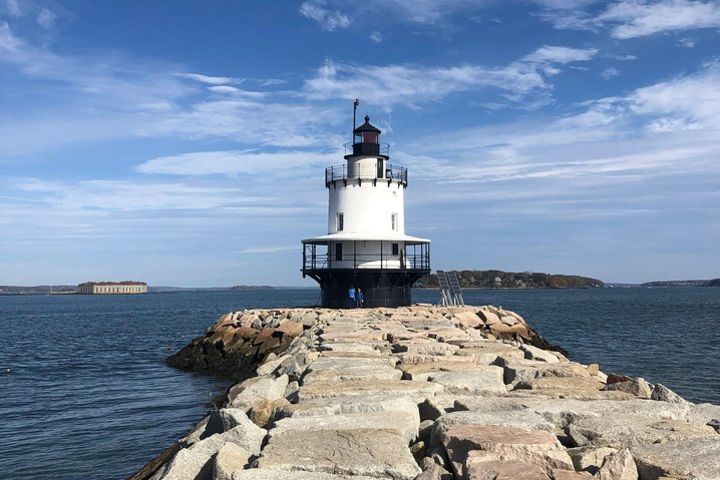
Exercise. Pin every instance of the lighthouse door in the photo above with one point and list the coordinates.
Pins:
(380, 168)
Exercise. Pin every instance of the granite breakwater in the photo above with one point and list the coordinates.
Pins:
(426, 393)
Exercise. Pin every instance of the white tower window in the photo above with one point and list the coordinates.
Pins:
(339, 222)
(393, 221)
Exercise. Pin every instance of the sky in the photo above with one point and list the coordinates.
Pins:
(183, 142)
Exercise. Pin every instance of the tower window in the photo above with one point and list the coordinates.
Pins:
(393, 221)
(338, 252)
(339, 222)
(395, 249)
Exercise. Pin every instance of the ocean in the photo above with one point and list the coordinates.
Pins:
(88, 395)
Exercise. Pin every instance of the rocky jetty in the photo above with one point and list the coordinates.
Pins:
(427, 393)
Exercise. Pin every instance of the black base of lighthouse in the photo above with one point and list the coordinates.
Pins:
(381, 288)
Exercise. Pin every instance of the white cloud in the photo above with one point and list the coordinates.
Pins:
(198, 77)
(638, 18)
(12, 7)
(124, 195)
(46, 18)
(408, 85)
(108, 96)
(233, 162)
(329, 20)
(375, 36)
(564, 4)
(685, 42)
(8, 41)
(561, 55)
(610, 72)
(622, 58)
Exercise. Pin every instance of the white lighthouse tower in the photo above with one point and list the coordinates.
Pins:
(366, 246)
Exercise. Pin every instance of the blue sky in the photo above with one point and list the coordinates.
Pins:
(184, 142)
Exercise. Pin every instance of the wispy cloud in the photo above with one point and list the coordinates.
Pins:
(212, 80)
(233, 162)
(685, 42)
(375, 36)
(628, 19)
(327, 18)
(408, 85)
(45, 18)
(12, 8)
(610, 72)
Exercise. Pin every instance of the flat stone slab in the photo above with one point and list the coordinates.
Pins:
(485, 354)
(373, 453)
(273, 474)
(507, 443)
(405, 423)
(488, 380)
(418, 391)
(366, 348)
(350, 404)
(697, 458)
(513, 418)
(333, 361)
(633, 430)
(358, 373)
(423, 370)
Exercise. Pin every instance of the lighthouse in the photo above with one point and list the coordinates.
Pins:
(366, 246)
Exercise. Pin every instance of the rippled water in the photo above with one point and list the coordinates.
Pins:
(89, 395)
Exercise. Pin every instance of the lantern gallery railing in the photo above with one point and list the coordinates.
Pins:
(414, 258)
(390, 173)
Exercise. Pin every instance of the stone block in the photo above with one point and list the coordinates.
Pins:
(488, 380)
(373, 453)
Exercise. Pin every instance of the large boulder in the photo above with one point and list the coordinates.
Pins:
(350, 404)
(534, 353)
(590, 458)
(510, 443)
(524, 418)
(696, 458)
(406, 424)
(247, 393)
(528, 370)
(618, 466)
(663, 394)
(418, 391)
(475, 382)
(635, 386)
(229, 459)
(373, 453)
(620, 431)
(274, 474)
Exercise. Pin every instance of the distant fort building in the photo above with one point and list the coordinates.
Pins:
(112, 288)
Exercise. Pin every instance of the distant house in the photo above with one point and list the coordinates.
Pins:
(112, 288)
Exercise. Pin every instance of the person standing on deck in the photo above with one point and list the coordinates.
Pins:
(360, 298)
(351, 297)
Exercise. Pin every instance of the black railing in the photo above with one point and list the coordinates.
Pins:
(396, 173)
(417, 258)
(354, 148)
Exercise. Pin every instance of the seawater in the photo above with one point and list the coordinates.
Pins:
(89, 396)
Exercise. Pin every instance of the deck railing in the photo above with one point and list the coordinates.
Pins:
(417, 258)
(391, 173)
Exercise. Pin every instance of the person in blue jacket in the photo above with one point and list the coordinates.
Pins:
(351, 297)
(360, 298)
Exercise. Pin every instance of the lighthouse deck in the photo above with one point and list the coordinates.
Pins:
(401, 253)
(388, 174)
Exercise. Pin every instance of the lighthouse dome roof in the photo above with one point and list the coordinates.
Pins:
(367, 127)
